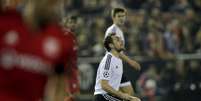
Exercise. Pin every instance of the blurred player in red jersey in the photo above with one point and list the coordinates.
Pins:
(32, 50)
(72, 87)
(12, 32)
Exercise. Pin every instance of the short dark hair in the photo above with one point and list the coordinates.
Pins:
(108, 40)
(117, 10)
(73, 17)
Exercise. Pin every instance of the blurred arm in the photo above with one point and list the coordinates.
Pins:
(127, 89)
(131, 62)
(105, 86)
(55, 88)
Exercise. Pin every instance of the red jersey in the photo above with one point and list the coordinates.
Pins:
(73, 71)
(26, 60)
(12, 33)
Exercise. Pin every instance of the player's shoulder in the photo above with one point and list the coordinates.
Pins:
(111, 28)
(108, 60)
(109, 56)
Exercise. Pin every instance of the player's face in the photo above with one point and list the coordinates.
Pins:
(71, 24)
(118, 44)
(119, 18)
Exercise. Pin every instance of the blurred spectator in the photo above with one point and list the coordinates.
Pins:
(180, 6)
(150, 4)
(191, 27)
(194, 75)
(147, 84)
(167, 81)
(196, 4)
(98, 28)
(198, 41)
(166, 5)
(174, 38)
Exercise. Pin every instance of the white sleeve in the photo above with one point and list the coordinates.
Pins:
(109, 31)
(106, 69)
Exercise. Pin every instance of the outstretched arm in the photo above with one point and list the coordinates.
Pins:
(131, 62)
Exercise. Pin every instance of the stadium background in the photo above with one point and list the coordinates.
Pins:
(163, 35)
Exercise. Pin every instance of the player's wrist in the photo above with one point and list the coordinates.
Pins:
(127, 97)
(123, 96)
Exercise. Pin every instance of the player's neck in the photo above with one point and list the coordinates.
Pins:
(115, 53)
(118, 25)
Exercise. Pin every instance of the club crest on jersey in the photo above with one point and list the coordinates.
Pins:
(51, 47)
(11, 38)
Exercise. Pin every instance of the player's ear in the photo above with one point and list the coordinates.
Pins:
(111, 45)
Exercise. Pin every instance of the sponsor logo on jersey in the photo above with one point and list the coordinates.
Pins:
(10, 59)
(11, 38)
(51, 47)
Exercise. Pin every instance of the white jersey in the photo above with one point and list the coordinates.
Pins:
(115, 30)
(111, 69)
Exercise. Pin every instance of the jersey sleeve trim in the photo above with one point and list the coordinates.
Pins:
(108, 62)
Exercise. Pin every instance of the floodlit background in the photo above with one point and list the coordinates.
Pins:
(163, 35)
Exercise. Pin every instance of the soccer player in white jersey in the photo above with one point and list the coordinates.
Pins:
(109, 73)
(119, 17)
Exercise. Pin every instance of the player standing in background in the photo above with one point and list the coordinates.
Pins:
(32, 50)
(119, 17)
(71, 23)
(109, 73)
(73, 86)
